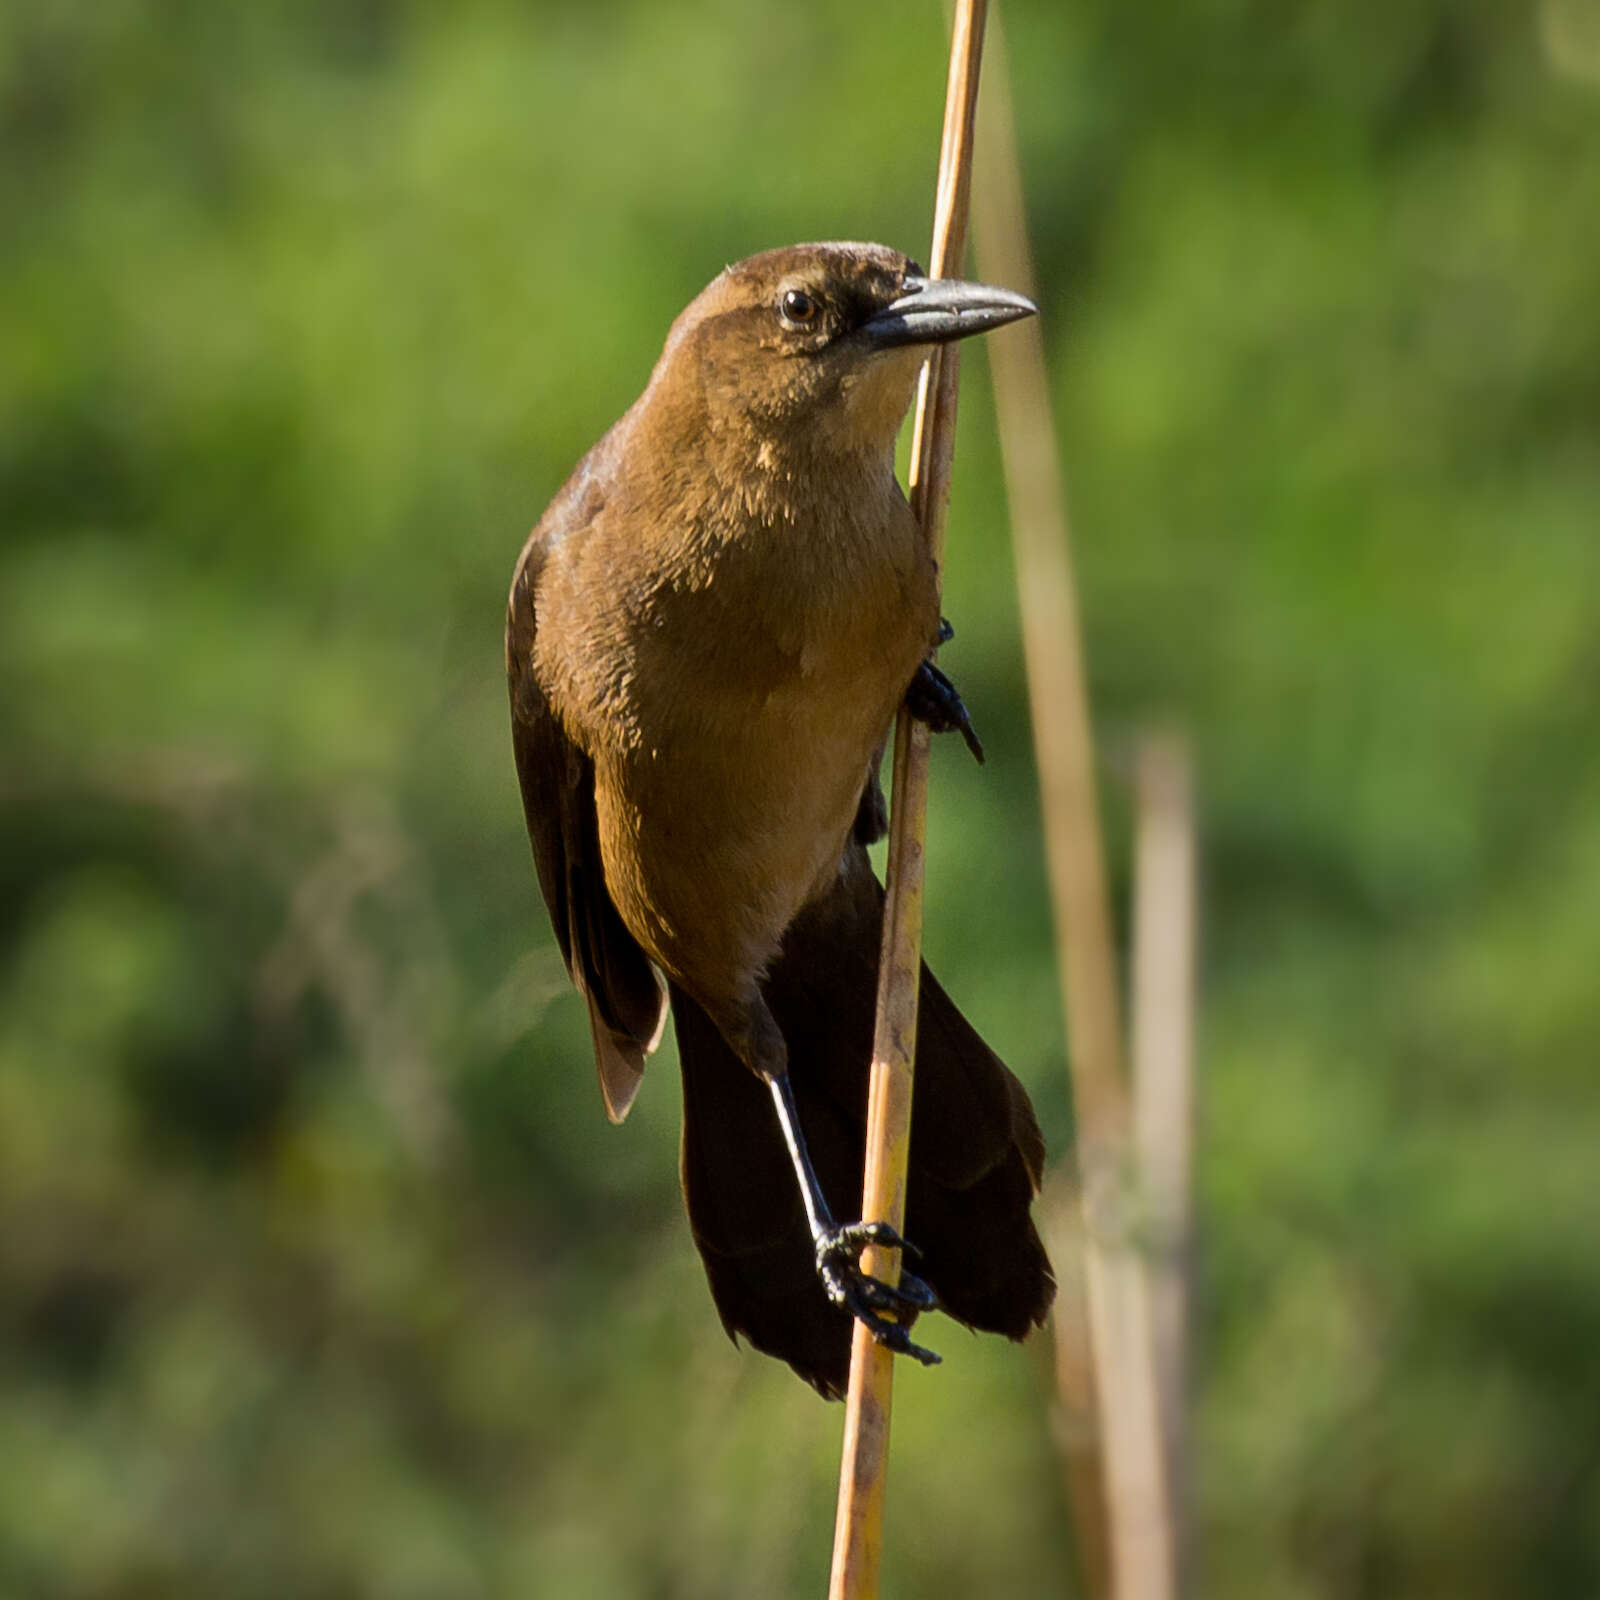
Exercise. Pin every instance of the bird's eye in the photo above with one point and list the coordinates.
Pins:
(799, 308)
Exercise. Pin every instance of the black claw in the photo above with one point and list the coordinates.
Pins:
(910, 1295)
(947, 631)
(896, 1338)
(854, 1237)
(916, 1293)
(935, 700)
(866, 1298)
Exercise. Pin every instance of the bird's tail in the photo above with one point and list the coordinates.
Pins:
(976, 1150)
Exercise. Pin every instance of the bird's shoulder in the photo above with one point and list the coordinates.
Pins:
(578, 507)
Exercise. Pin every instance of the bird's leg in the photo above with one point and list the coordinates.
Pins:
(839, 1249)
(932, 698)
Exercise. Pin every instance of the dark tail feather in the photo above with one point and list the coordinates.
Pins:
(976, 1151)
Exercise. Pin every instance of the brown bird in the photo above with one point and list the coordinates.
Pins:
(709, 633)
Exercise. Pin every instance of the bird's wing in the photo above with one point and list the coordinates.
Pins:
(627, 1002)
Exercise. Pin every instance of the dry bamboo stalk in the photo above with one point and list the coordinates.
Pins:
(1163, 1068)
(1121, 1334)
(1075, 1416)
(858, 1528)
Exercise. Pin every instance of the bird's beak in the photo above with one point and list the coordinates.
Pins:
(937, 310)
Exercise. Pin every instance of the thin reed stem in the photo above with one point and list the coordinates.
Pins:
(858, 1529)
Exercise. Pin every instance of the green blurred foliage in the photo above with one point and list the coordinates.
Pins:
(320, 1271)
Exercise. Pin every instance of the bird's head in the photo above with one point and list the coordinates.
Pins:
(821, 342)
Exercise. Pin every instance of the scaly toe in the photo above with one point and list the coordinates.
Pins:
(867, 1298)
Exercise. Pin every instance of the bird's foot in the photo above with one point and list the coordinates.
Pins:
(935, 700)
(867, 1298)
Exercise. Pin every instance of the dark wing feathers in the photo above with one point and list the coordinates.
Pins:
(976, 1151)
(627, 1005)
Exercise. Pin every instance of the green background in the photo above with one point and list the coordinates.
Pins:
(321, 1272)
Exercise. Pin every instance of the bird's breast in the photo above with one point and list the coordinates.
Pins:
(805, 629)
(756, 698)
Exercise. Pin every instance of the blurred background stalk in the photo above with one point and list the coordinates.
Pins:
(1134, 1464)
(1163, 1005)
